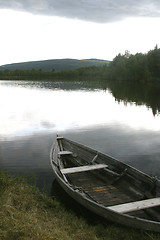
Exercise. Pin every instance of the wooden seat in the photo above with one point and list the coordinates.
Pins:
(64, 153)
(135, 206)
(83, 168)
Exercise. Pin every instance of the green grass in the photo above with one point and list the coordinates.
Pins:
(27, 214)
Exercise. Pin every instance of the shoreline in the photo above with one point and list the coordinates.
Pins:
(26, 213)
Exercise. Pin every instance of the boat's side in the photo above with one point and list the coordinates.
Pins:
(96, 207)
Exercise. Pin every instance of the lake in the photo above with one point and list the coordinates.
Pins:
(32, 113)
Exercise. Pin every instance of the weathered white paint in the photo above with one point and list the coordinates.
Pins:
(83, 168)
(135, 206)
(64, 153)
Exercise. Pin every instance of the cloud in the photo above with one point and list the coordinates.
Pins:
(89, 10)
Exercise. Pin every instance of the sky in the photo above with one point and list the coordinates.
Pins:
(34, 30)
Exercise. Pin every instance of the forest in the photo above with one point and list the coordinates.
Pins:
(124, 67)
(140, 67)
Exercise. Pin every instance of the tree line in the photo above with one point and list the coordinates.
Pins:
(138, 67)
(141, 67)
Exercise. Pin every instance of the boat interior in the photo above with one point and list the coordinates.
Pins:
(109, 182)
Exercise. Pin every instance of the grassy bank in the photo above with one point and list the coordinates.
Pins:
(27, 214)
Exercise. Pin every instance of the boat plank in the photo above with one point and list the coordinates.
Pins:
(135, 206)
(83, 168)
(65, 153)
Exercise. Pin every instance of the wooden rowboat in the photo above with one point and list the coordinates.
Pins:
(113, 190)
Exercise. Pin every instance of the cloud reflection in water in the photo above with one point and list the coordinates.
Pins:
(26, 110)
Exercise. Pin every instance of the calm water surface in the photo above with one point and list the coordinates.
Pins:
(31, 114)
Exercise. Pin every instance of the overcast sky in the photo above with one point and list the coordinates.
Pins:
(51, 29)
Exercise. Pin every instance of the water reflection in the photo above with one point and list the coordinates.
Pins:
(27, 110)
(140, 93)
(33, 113)
(29, 155)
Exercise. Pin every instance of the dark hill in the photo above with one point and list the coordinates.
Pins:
(56, 64)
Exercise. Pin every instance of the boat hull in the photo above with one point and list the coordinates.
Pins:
(99, 209)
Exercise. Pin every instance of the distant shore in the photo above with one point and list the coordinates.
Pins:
(124, 67)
